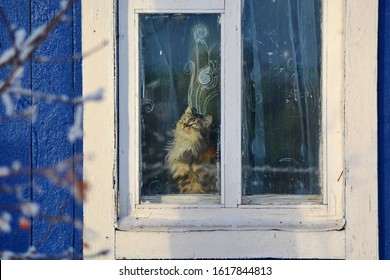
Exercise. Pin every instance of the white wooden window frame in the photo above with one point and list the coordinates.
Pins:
(284, 230)
(295, 210)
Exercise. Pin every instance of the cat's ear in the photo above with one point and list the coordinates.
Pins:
(207, 120)
(188, 110)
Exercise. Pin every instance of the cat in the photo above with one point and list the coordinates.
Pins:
(191, 157)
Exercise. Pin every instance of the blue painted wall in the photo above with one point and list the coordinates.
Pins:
(384, 127)
(15, 148)
(44, 142)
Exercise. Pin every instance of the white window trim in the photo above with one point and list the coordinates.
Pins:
(154, 216)
(360, 235)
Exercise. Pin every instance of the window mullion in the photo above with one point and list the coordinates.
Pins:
(231, 100)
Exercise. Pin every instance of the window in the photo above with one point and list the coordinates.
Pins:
(281, 97)
(179, 68)
(265, 85)
(179, 79)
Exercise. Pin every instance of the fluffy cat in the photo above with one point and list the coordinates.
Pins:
(192, 158)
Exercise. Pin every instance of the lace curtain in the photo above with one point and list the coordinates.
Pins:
(180, 66)
(180, 62)
(281, 96)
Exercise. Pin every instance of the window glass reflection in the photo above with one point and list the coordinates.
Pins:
(281, 96)
(180, 104)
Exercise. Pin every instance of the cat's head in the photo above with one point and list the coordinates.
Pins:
(193, 122)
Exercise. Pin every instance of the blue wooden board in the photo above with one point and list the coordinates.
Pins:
(51, 144)
(78, 92)
(15, 136)
(384, 127)
(44, 143)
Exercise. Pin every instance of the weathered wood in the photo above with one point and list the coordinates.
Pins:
(361, 129)
(384, 128)
(15, 136)
(99, 127)
(232, 244)
(43, 143)
(50, 144)
(78, 146)
(202, 199)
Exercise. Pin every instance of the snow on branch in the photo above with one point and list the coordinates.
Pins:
(24, 46)
(66, 174)
(19, 53)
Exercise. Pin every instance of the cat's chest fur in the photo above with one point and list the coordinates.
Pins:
(187, 147)
(191, 157)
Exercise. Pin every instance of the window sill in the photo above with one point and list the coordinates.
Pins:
(227, 221)
(208, 199)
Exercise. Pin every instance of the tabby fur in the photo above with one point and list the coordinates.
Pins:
(191, 157)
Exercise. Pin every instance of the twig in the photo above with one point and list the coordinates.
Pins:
(6, 22)
(52, 173)
(20, 115)
(98, 95)
(30, 45)
(73, 58)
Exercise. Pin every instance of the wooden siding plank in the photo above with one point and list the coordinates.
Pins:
(51, 144)
(361, 129)
(77, 92)
(100, 159)
(384, 128)
(15, 136)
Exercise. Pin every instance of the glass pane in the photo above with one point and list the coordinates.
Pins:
(281, 97)
(180, 107)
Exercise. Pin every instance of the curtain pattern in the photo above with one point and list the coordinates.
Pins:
(281, 96)
(180, 65)
(281, 130)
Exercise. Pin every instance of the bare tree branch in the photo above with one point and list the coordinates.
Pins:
(96, 96)
(23, 54)
(70, 58)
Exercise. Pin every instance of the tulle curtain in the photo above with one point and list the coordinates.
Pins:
(180, 66)
(180, 62)
(281, 96)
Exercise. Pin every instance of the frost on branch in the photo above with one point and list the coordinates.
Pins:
(20, 37)
(66, 174)
(4, 171)
(63, 4)
(30, 209)
(76, 131)
(7, 56)
(96, 96)
(8, 104)
(5, 220)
